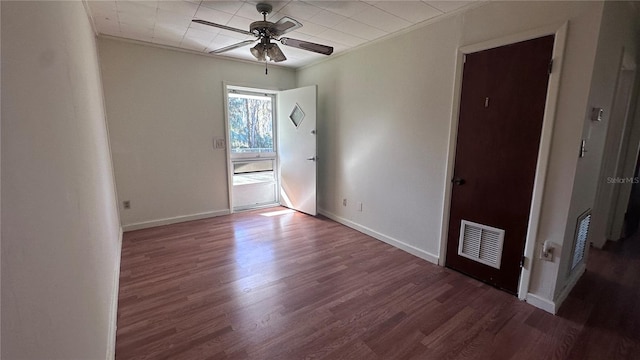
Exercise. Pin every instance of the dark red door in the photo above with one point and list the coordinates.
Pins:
(501, 111)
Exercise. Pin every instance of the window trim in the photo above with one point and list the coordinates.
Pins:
(253, 155)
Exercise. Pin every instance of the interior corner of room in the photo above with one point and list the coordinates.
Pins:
(101, 135)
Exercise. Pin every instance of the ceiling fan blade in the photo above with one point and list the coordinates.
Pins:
(231, 47)
(285, 25)
(225, 27)
(306, 45)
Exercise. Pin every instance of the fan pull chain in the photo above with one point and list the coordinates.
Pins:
(266, 70)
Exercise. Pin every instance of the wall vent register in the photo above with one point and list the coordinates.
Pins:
(481, 243)
(580, 241)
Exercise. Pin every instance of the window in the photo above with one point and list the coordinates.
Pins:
(251, 124)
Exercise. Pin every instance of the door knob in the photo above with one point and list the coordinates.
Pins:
(313, 158)
(458, 181)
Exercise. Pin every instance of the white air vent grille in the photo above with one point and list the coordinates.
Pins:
(580, 242)
(481, 243)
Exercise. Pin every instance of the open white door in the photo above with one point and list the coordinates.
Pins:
(297, 148)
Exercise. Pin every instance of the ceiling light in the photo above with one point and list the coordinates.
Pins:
(274, 53)
(268, 49)
(258, 52)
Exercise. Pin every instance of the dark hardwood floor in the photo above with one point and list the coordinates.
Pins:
(290, 286)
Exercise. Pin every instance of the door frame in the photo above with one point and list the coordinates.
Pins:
(553, 89)
(225, 98)
(620, 195)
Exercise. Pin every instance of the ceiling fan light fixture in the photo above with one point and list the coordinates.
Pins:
(266, 31)
(275, 54)
(258, 52)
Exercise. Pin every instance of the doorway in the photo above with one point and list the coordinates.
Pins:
(619, 158)
(271, 138)
(253, 152)
(502, 106)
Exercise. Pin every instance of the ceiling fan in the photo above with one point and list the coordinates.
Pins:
(266, 31)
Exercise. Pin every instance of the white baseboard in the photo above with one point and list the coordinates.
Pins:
(541, 303)
(173, 220)
(553, 306)
(384, 238)
(113, 322)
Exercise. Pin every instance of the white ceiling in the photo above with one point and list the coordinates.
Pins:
(341, 24)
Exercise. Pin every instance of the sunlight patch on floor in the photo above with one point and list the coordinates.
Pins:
(277, 213)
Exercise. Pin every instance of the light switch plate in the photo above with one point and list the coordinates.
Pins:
(219, 143)
(597, 114)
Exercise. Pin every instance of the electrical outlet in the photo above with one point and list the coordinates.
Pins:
(126, 204)
(546, 251)
(344, 202)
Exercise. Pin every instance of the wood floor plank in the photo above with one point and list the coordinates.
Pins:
(291, 286)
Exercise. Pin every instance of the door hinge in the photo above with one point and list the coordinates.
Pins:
(550, 66)
(522, 260)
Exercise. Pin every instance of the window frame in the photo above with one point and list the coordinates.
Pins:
(253, 155)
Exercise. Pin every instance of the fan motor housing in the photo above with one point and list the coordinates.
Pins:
(261, 27)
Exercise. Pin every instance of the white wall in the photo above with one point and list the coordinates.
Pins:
(616, 47)
(385, 115)
(618, 34)
(0, 176)
(60, 227)
(164, 109)
(383, 129)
